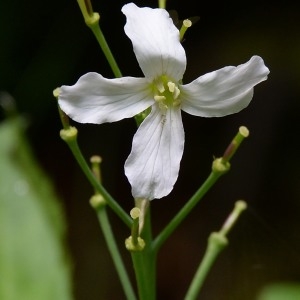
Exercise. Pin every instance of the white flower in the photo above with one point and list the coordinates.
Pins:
(153, 164)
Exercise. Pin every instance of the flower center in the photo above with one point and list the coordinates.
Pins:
(166, 93)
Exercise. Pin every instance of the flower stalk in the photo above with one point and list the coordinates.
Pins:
(217, 241)
(87, 11)
(95, 166)
(99, 204)
(69, 135)
(185, 210)
(220, 166)
(91, 19)
(235, 143)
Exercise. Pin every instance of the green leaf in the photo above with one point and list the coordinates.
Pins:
(280, 291)
(33, 260)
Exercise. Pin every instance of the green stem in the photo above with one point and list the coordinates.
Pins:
(95, 27)
(219, 167)
(140, 270)
(182, 214)
(216, 243)
(70, 137)
(114, 252)
(91, 19)
(150, 255)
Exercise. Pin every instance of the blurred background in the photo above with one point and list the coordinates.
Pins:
(46, 44)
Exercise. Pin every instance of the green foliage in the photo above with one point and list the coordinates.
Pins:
(280, 291)
(33, 262)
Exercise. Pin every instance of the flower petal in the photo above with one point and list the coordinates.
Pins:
(153, 164)
(155, 41)
(225, 91)
(95, 99)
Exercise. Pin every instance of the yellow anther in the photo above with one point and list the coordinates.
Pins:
(56, 92)
(166, 93)
(171, 86)
(160, 87)
(176, 103)
(159, 98)
(176, 92)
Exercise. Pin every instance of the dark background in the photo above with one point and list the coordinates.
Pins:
(45, 44)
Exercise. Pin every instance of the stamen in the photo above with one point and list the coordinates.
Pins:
(176, 93)
(176, 103)
(160, 87)
(171, 86)
(166, 93)
(159, 98)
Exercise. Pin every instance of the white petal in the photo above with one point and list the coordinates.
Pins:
(153, 164)
(224, 91)
(95, 99)
(155, 41)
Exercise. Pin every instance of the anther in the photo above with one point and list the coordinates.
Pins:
(160, 87)
(176, 92)
(171, 86)
(176, 103)
(159, 98)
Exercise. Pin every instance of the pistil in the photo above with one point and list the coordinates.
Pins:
(167, 93)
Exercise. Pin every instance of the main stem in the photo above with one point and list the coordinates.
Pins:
(144, 266)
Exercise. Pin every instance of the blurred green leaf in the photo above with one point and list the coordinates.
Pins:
(33, 260)
(280, 291)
